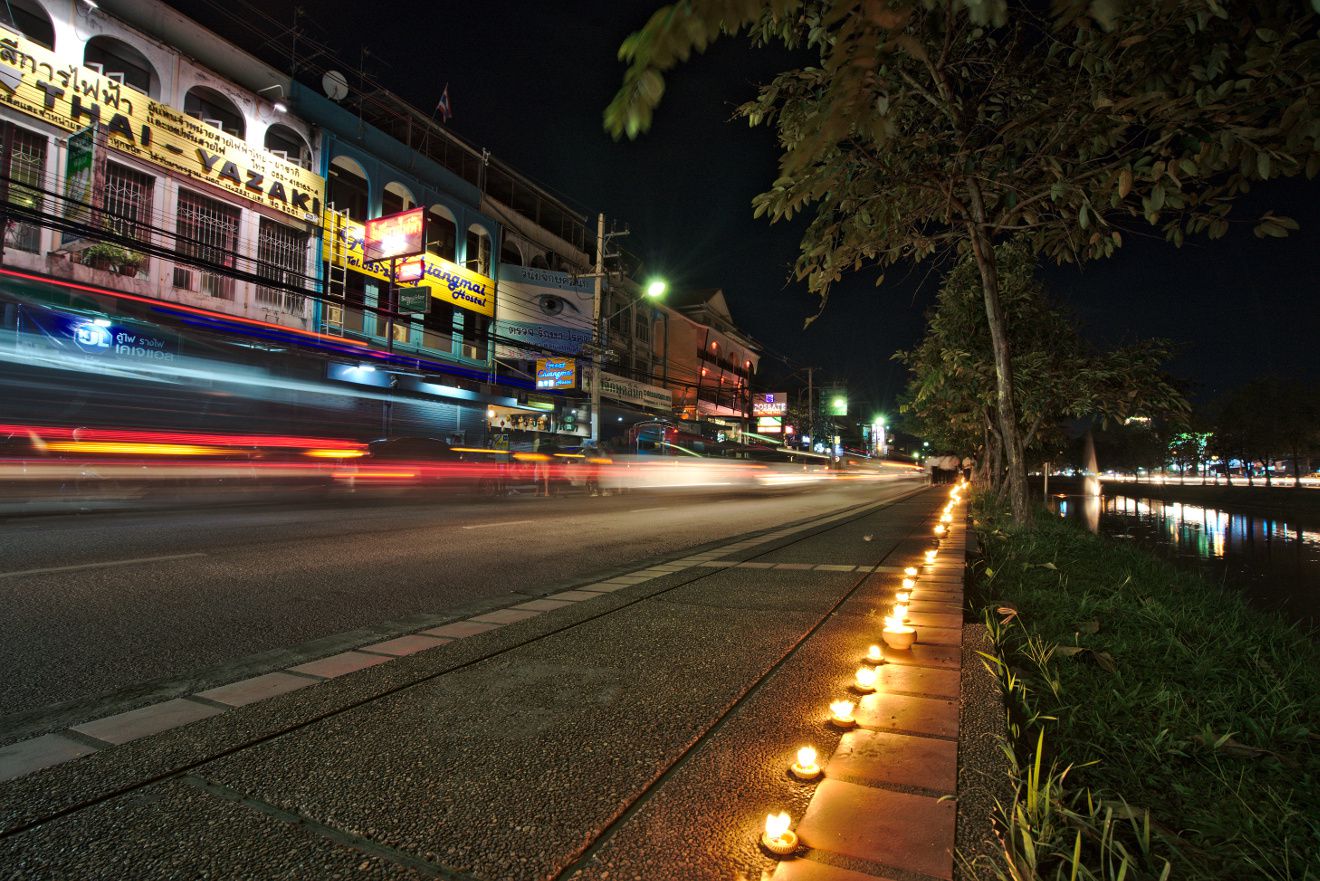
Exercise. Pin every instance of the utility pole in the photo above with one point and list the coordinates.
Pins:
(596, 336)
(811, 404)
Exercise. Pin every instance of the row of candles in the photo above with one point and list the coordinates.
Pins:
(779, 838)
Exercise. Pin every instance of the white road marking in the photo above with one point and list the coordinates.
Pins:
(106, 564)
(641, 510)
(501, 523)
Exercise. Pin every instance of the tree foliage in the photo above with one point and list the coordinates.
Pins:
(1060, 376)
(927, 126)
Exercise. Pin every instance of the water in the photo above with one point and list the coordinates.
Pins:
(1275, 562)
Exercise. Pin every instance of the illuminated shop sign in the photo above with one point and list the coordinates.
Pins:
(449, 282)
(100, 338)
(556, 373)
(71, 97)
(395, 235)
(770, 404)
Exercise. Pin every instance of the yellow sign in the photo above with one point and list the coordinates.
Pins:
(73, 97)
(342, 246)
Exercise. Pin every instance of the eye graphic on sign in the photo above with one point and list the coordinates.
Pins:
(553, 304)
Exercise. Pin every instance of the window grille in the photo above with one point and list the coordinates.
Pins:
(127, 201)
(27, 173)
(208, 231)
(282, 258)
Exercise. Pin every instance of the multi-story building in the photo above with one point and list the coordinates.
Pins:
(711, 363)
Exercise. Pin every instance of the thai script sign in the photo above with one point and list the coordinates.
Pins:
(72, 97)
(342, 246)
(540, 310)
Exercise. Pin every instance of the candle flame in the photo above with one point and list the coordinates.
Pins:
(777, 824)
(866, 677)
(842, 710)
(930, 556)
(910, 571)
(806, 757)
(909, 583)
(873, 654)
(939, 528)
(902, 596)
(900, 611)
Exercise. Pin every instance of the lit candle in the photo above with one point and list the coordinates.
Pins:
(910, 571)
(939, 529)
(897, 635)
(805, 768)
(841, 713)
(946, 518)
(909, 583)
(902, 596)
(930, 556)
(778, 838)
(874, 655)
(900, 611)
(864, 679)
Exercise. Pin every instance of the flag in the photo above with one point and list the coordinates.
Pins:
(442, 106)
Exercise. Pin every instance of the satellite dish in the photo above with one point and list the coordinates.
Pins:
(335, 85)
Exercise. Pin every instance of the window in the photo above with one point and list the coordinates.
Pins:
(282, 258)
(475, 332)
(438, 325)
(477, 255)
(208, 232)
(396, 198)
(120, 61)
(442, 233)
(126, 202)
(288, 144)
(23, 161)
(29, 19)
(215, 109)
(509, 254)
(348, 188)
(642, 327)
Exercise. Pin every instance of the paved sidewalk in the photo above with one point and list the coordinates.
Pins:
(635, 727)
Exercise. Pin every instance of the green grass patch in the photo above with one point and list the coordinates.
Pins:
(1160, 726)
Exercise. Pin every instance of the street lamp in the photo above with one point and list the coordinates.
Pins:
(656, 288)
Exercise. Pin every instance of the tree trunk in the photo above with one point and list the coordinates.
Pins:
(983, 250)
(1269, 482)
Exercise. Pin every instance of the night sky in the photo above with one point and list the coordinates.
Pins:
(529, 80)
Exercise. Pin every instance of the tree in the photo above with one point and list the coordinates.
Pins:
(1267, 417)
(932, 126)
(1059, 375)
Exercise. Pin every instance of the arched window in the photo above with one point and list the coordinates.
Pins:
(477, 255)
(539, 262)
(118, 60)
(510, 254)
(396, 198)
(215, 109)
(348, 188)
(286, 142)
(442, 233)
(29, 19)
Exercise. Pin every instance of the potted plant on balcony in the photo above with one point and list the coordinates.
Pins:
(103, 255)
(130, 262)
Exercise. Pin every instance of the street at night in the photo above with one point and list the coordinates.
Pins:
(776, 440)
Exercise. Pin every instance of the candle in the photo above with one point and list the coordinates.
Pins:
(947, 518)
(902, 596)
(910, 571)
(864, 679)
(778, 838)
(939, 529)
(805, 768)
(900, 612)
(841, 713)
(930, 556)
(874, 655)
(909, 583)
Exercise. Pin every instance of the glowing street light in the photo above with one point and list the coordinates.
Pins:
(656, 287)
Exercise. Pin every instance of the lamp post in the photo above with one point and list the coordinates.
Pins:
(654, 289)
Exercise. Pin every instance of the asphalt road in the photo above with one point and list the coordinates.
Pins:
(106, 612)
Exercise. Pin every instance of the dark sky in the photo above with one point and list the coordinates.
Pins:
(528, 80)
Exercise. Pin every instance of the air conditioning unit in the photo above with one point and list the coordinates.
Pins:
(183, 278)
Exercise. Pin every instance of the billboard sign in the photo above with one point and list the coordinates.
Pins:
(343, 246)
(769, 425)
(71, 96)
(395, 235)
(540, 310)
(556, 373)
(770, 403)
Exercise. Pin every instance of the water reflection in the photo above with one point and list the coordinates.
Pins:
(1275, 561)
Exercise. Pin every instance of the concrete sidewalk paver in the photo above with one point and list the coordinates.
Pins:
(27, 756)
(123, 727)
(258, 688)
(340, 664)
(884, 757)
(461, 629)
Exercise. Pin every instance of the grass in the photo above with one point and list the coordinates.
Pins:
(1158, 726)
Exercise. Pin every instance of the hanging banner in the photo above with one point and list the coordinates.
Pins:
(72, 97)
(342, 245)
(540, 309)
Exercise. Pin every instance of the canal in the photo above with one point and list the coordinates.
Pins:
(1274, 562)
